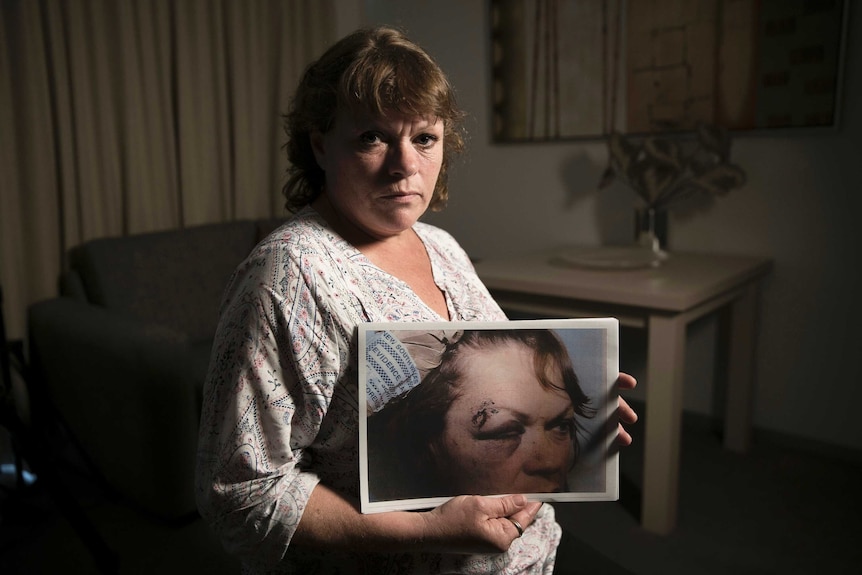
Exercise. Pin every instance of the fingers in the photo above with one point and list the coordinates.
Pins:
(626, 381)
(624, 438)
(527, 515)
(476, 524)
(518, 514)
(626, 413)
(510, 504)
(517, 525)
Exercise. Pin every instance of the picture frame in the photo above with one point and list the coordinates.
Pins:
(581, 69)
(487, 408)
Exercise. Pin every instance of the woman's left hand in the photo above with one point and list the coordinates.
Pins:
(626, 414)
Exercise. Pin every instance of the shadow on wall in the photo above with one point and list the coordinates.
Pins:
(615, 205)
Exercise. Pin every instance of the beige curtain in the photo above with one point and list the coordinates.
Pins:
(126, 116)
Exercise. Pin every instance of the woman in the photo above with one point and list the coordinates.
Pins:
(498, 413)
(371, 132)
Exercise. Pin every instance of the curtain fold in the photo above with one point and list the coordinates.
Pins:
(126, 116)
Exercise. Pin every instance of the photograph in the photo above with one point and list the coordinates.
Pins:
(487, 408)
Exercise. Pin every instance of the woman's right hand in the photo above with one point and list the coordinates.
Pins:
(477, 524)
(467, 524)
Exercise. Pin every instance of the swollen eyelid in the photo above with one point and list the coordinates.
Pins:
(503, 432)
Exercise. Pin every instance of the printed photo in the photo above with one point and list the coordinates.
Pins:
(487, 408)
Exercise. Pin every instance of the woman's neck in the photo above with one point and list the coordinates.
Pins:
(401, 255)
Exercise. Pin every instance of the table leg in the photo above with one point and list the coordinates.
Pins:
(740, 370)
(665, 367)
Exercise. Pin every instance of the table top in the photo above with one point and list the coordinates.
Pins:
(679, 283)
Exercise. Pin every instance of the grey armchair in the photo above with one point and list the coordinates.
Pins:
(123, 353)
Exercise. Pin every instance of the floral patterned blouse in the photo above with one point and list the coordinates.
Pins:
(280, 402)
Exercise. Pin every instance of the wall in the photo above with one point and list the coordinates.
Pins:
(799, 207)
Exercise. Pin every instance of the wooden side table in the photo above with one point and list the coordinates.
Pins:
(663, 300)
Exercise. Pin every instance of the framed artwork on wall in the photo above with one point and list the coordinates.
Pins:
(567, 69)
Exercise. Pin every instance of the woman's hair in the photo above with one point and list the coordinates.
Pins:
(378, 71)
(408, 428)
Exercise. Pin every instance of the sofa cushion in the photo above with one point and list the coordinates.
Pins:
(174, 278)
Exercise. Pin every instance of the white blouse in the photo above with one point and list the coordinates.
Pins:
(280, 410)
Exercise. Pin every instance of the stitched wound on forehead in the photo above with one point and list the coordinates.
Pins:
(481, 416)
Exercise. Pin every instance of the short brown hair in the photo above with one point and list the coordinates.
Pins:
(379, 71)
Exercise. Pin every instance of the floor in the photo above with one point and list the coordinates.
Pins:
(36, 538)
(777, 509)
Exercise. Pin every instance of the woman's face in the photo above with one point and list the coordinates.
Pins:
(380, 171)
(506, 433)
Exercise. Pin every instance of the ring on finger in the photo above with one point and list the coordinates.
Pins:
(517, 526)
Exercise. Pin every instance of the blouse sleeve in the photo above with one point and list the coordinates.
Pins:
(275, 360)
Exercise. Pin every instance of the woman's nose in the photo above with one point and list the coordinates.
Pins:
(545, 457)
(403, 159)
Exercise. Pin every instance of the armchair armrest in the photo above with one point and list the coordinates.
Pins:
(127, 391)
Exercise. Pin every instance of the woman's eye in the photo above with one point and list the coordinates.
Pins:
(565, 427)
(427, 140)
(369, 138)
(506, 432)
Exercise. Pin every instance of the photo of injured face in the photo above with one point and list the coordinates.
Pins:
(517, 408)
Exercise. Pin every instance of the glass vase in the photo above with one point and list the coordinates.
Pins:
(651, 231)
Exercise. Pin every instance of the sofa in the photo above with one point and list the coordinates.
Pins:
(121, 355)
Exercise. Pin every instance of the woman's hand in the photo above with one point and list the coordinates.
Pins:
(476, 524)
(626, 414)
(467, 524)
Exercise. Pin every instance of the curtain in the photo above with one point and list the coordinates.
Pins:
(126, 116)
